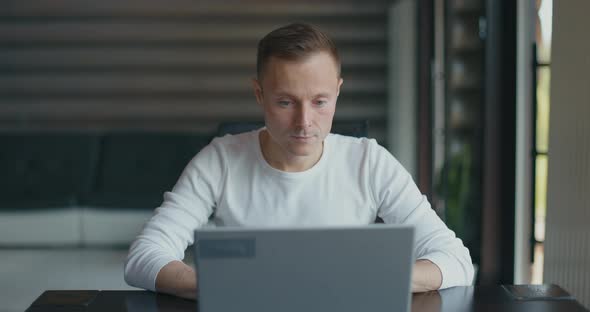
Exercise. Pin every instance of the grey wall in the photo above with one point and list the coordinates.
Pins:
(170, 65)
(567, 239)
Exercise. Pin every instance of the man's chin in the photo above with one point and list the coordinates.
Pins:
(303, 150)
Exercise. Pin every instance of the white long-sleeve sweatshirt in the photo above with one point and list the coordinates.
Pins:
(354, 181)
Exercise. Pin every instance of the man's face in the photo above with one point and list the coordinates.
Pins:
(299, 101)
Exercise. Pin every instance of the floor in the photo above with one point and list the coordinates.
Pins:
(26, 273)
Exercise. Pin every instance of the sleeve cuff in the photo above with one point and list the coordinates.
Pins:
(156, 268)
(452, 272)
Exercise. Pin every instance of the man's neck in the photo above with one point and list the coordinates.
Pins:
(280, 159)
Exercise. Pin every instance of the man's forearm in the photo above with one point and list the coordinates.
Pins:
(178, 279)
(426, 276)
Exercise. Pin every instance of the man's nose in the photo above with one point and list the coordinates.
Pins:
(304, 116)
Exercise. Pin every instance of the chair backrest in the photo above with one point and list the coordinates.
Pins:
(351, 128)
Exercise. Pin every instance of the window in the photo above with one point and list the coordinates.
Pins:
(541, 106)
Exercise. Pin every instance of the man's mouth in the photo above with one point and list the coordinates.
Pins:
(302, 137)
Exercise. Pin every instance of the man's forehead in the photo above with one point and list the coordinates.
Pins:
(280, 93)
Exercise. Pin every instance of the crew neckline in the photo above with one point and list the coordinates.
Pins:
(285, 174)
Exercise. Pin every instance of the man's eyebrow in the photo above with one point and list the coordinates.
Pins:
(280, 93)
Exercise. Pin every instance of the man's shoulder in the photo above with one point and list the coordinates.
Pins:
(236, 140)
(349, 149)
(227, 149)
(360, 148)
(344, 141)
(233, 146)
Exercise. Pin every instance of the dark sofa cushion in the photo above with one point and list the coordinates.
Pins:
(45, 170)
(137, 168)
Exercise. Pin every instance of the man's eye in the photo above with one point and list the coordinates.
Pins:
(321, 103)
(284, 103)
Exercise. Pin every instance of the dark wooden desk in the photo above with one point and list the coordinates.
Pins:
(547, 298)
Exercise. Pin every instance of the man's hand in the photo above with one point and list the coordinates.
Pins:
(427, 276)
(178, 279)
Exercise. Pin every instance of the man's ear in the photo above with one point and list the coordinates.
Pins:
(257, 90)
(339, 85)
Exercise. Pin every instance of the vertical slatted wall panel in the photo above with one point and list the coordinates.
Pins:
(567, 240)
(169, 65)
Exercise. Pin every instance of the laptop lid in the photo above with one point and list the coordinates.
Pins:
(341, 269)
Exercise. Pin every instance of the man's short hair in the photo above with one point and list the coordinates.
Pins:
(294, 42)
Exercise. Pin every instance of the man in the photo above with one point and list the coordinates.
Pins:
(292, 172)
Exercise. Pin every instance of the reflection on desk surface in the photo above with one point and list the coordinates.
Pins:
(457, 299)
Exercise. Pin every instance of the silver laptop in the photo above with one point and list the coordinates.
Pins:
(366, 268)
